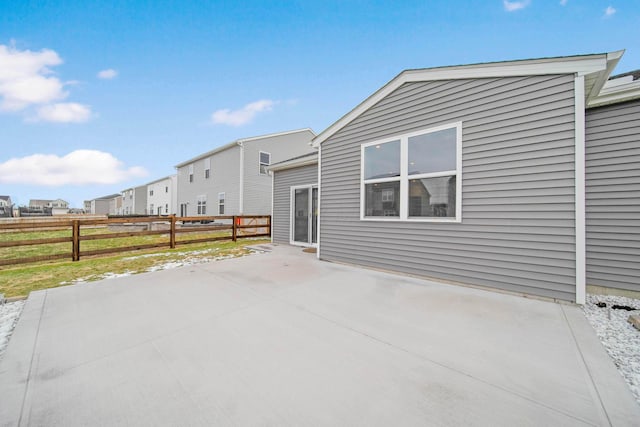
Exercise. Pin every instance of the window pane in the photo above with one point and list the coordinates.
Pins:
(382, 199)
(265, 158)
(382, 160)
(433, 197)
(432, 152)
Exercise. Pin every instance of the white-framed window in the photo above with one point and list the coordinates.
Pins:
(207, 168)
(166, 189)
(221, 197)
(265, 161)
(151, 192)
(190, 173)
(151, 209)
(166, 208)
(202, 204)
(413, 177)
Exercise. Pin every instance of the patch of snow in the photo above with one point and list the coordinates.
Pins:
(618, 336)
(9, 315)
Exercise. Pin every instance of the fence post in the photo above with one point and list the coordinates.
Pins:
(269, 224)
(172, 233)
(234, 235)
(75, 237)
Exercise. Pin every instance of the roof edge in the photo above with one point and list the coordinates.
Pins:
(306, 160)
(579, 64)
(240, 142)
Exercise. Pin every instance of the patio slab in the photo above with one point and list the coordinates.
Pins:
(283, 339)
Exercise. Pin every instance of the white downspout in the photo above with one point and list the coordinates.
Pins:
(241, 192)
(580, 191)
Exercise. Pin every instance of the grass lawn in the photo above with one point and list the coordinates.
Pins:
(19, 280)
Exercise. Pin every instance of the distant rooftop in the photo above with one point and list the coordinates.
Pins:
(635, 74)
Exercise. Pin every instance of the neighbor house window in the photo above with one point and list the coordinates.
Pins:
(166, 208)
(415, 176)
(265, 161)
(151, 208)
(221, 203)
(151, 192)
(202, 205)
(207, 168)
(166, 189)
(190, 173)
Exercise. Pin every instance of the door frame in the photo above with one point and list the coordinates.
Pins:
(292, 193)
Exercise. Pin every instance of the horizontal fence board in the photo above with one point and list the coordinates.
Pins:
(172, 227)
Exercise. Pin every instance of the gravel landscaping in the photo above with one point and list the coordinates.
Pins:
(619, 337)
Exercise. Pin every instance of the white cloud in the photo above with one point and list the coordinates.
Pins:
(80, 167)
(26, 81)
(511, 6)
(243, 115)
(25, 78)
(66, 112)
(107, 74)
(609, 11)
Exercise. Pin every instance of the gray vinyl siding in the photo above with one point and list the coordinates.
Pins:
(224, 177)
(518, 190)
(257, 187)
(282, 183)
(613, 196)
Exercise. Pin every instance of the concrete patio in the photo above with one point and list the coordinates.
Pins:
(283, 339)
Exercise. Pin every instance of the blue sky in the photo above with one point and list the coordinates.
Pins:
(98, 96)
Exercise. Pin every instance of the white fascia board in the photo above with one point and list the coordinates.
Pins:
(612, 60)
(616, 93)
(580, 190)
(312, 160)
(273, 135)
(578, 65)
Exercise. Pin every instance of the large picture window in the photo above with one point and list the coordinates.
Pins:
(416, 176)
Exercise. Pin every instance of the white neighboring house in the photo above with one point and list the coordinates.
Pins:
(161, 196)
(6, 207)
(233, 179)
(57, 206)
(134, 201)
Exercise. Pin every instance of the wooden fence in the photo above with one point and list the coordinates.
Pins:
(208, 229)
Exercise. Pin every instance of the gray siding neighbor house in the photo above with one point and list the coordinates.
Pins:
(233, 179)
(102, 205)
(476, 175)
(134, 201)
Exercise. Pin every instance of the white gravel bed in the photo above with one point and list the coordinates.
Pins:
(618, 336)
(9, 315)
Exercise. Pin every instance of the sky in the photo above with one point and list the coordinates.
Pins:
(100, 96)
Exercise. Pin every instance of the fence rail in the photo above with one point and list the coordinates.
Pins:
(92, 232)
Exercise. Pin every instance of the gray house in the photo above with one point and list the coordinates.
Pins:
(233, 179)
(134, 201)
(519, 176)
(106, 205)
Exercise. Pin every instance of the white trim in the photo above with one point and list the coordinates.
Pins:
(241, 191)
(319, 191)
(613, 94)
(579, 65)
(404, 176)
(309, 159)
(266, 169)
(580, 191)
(273, 193)
(292, 190)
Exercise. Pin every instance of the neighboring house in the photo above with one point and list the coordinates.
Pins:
(233, 179)
(134, 201)
(161, 196)
(42, 203)
(106, 205)
(6, 207)
(520, 176)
